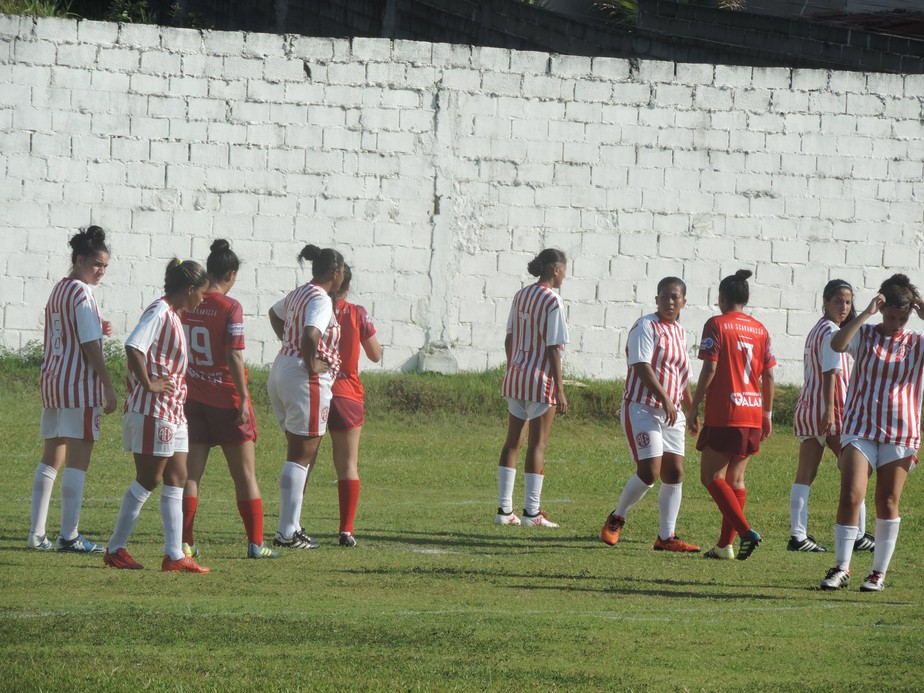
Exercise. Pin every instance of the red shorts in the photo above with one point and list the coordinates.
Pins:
(345, 414)
(730, 440)
(212, 426)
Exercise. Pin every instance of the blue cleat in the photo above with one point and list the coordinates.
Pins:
(79, 544)
(749, 542)
(259, 551)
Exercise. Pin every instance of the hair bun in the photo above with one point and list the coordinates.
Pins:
(743, 274)
(95, 233)
(219, 244)
(310, 252)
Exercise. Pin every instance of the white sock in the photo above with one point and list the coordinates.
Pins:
(533, 494)
(42, 483)
(669, 496)
(505, 478)
(798, 511)
(134, 499)
(634, 490)
(171, 515)
(71, 500)
(844, 537)
(886, 538)
(861, 523)
(291, 494)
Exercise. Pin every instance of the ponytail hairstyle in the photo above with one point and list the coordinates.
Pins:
(323, 262)
(182, 274)
(221, 259)
(543, 264)
(344, 285)
(831, 288)
(669, 281)
(735, 288)
(87, 242)
(899, 292)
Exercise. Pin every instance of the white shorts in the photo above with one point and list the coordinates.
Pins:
(525, 410)
(145, 435)
(301, 403)
(879, 454)
(81, 423)
(648, 433)
(822, 440)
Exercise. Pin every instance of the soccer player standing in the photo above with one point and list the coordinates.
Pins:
(882, 424)
(218, 409)
(347, 412)
(154, 425)
(652, 418)
(300, 382)
(737, 383)
(75, 385)
(536, 337)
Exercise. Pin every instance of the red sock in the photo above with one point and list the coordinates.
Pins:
(727, 533)
(190, 504)
(729, 505)
(348, 492)
(252, 514)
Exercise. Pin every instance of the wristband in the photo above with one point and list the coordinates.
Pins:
(768, 415)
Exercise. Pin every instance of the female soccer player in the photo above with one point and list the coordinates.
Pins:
(218, 409)
(346, 406)
(532, 385)
(154, 426)
(300, 382)
(654, 423)
(736, 354)
(819, 411)
(75, 385)
(882, 424)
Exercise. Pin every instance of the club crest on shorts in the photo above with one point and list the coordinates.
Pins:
(325, 412)
(97, 421)
(642, 440)
(164, 434)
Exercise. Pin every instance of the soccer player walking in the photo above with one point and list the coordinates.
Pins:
(75, 385)
(218, 408)
(652, 418)
(154, 425)
(347, 413)
(882, 424)
(532, 385)
(300, 382)
(737, 383)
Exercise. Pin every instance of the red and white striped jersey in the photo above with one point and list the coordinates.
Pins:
(310, 306)
(884, 398)
(536, 322)
(159, 336)
(819, 358)
(71, 319)
(663, 345)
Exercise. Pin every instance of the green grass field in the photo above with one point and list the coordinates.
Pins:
(436, 597)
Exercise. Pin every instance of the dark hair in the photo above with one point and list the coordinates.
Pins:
(182, 274)
(221, 260)
(540, 265)
(667, 281)
(831, 288)
(345, 284)
(89, 241)
(323, 262)
(735, 288)
(898, 291)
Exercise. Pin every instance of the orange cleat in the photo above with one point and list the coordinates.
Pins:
(674, 543)
(609, 533)
(182, 565)
(120, 558)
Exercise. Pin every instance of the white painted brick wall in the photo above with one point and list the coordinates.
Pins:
(440, 170)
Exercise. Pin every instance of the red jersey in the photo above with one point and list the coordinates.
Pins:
(663, 345)
(536, 322)
(159, 336)
(884, 398)
(216, 325)
(740, 346)
(819, 358)
(355, 327)
(310, 306)
(71, 319)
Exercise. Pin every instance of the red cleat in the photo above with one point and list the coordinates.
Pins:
(674, 543)
(182, 565)
(121, 559)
